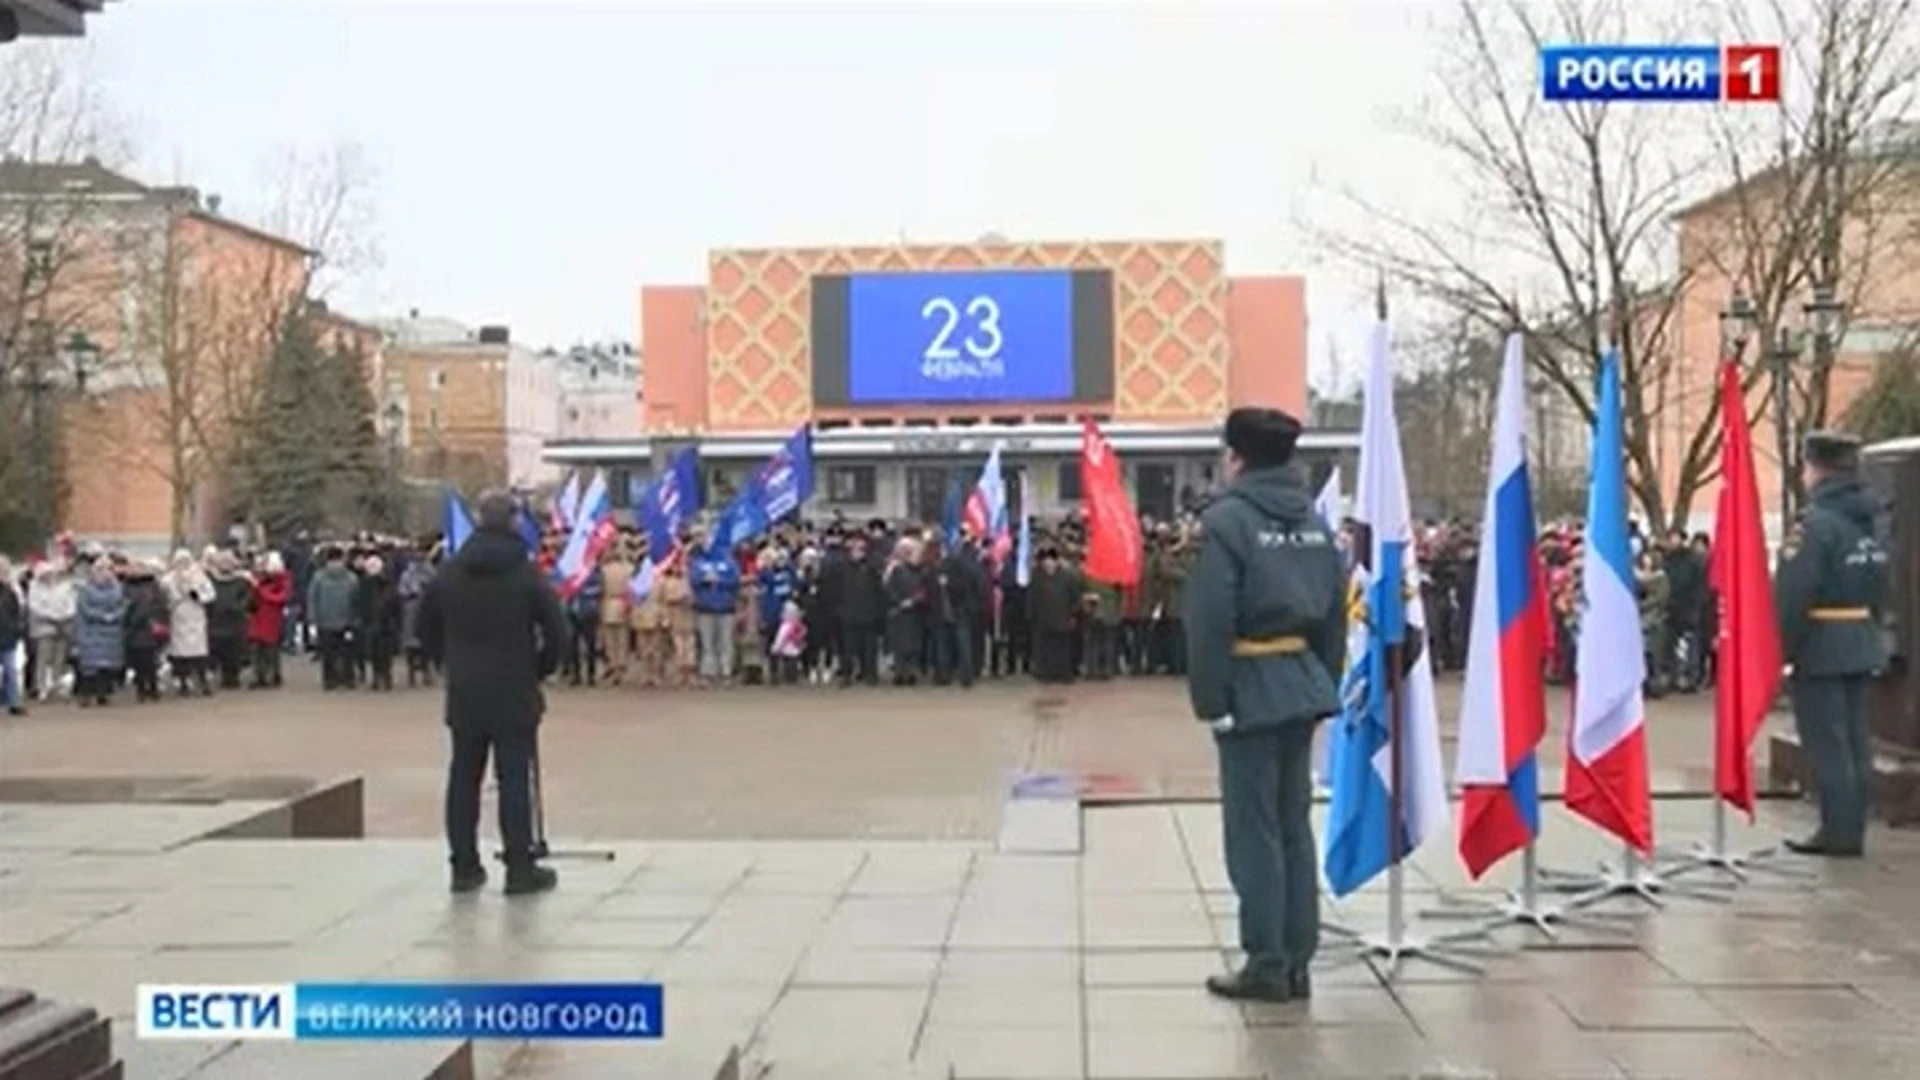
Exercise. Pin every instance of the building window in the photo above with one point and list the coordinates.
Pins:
(433, 418)
(437, 378)
(853, 484)
(1068, 485)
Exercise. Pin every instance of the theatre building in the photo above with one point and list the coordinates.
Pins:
(912, 362)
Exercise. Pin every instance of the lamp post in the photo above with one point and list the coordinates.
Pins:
(1782, 357)
(1823, 311)
(1736, 326)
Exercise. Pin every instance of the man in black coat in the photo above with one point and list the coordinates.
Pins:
(494, 624)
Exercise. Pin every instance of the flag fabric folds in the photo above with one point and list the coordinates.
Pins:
(565, 509)
(986, 510)
(1114, 544)
(1607, 747)
(527, 526)
(1747, 668)
(1503, 706)
(778, 488)
(1023, 554)
(458, 521)
(1330, 504)
(951, 526)
(1362, 838)
(661, 509)
(593, 530)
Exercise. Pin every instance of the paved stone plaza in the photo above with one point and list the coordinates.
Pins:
(965, 935)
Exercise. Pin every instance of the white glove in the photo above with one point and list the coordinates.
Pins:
(1223, 725)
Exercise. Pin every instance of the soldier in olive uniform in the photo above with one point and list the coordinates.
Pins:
(1100, 632)
(1830, 594)
(1266, 636)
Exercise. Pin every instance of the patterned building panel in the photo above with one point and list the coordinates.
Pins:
(1170, 322)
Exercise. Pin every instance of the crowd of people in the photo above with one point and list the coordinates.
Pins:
(1677, 606)
(813, 602)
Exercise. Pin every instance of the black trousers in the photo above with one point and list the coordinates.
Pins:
(336, 659)
(860, 652)
(146, 673)
(1100, 649)
(512, 753)
(266, 664)
(1053, 656)
(225, 652)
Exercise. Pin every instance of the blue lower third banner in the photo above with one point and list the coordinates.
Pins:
(402, 1011)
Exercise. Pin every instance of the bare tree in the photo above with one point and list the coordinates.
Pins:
(1821, 188)
(325, 200)
(1566, 224)
(54, 131)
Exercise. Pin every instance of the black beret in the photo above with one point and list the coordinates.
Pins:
(1833, 450)
(1262, 437)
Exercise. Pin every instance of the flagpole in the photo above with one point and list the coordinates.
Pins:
(1396, 947)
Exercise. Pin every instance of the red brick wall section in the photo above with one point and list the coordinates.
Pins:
(1267, 334)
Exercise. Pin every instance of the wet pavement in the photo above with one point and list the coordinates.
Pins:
(896, 960)
(809, 762)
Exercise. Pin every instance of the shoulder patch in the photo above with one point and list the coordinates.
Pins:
(1795, 538)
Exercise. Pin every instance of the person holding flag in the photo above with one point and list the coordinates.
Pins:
(1266, 634)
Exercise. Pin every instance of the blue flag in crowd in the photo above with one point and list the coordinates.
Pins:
(950, 513)
(527, 526)
(458, 521)
(776, 489)
(667, 503)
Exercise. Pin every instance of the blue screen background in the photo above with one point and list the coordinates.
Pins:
(896, 320)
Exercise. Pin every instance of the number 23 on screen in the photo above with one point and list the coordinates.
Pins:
(982, 338)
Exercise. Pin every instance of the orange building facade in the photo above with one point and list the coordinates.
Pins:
(729, 366)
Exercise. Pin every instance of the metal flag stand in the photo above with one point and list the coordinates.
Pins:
(1733, 867)
(1633, 878)
(541, 851)
(1523, 907)
(1396, 946)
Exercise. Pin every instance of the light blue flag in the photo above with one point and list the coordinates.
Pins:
(458, 521)
(1023, 554)
(1385, 611)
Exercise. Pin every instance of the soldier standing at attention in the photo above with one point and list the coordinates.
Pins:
(1830, 593)
(1266, 637)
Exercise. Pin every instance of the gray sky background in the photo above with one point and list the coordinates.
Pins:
(538, 162)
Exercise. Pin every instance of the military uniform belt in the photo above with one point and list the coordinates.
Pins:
(1247, 648)
(1839, 614)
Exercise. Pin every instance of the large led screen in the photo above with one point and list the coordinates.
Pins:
(963, 337)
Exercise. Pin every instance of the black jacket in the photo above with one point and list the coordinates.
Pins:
(497, 626)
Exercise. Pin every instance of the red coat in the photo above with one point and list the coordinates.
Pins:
(270, 592)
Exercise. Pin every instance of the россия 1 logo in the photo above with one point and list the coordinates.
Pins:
(1660, 73)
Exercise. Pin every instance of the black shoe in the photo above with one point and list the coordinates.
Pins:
(468, 879)
(530, 880)
(1814, 845)
(16, 710)
(1300, 985)
(1239, 987)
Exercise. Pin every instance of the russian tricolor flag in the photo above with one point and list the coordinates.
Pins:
(1503, 707)
(1607, 748)
(593, 530)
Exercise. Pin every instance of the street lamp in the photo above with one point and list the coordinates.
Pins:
(1783, 354)
(83, 359)
(1823, 313)
(1736, 326)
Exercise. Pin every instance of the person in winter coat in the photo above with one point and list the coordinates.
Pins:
(680, 647)
(50, 616)
(189, 591)
(496, 625)
(414, 581)
(750, 640)
(789, 644)
(616, 635)
(905, 585)
(332, 598)
(854, 587)
(266, 626)
(583, 621)
(1053, 598)
(147, 623)
(227, 617)
(777, 582)
(100, 634)
(651, 623)
(715, 579)
(13, 637)
(379, 621)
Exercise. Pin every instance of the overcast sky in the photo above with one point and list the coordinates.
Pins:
(538, 162)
